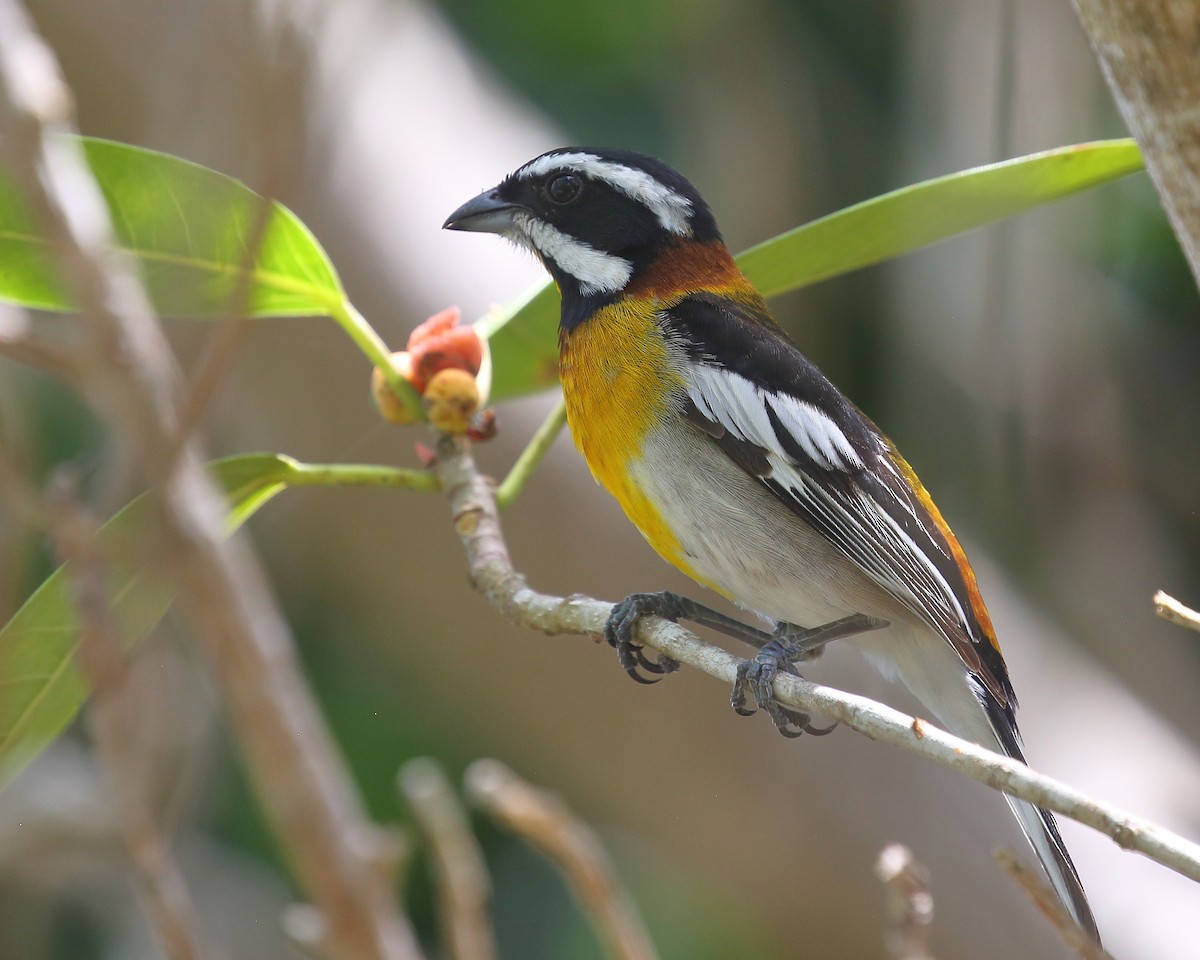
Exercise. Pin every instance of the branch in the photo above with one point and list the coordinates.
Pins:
(17, 343)
(1047, 902)
(543, 820)
(114, 718)
(463, 886)
(1175, 612)
(1147, 50)
(306, 791)
(909, 903)
(477, 523)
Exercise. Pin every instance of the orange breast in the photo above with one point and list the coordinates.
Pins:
(617, 383)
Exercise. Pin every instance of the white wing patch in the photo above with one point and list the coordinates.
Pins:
(844, 512)
(741, 408)
(596, 271)
(823, 440)
(673, 210)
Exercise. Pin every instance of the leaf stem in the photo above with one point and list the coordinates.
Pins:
(375, 350)
(531, 456)
(357, 475)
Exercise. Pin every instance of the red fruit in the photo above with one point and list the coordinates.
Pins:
(439, 322)
(458, 348)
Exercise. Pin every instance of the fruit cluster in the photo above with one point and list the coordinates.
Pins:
(443, 363)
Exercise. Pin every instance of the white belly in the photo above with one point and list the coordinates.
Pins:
(738, 536)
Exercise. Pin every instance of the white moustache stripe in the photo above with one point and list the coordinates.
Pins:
(596, 271)
(672, 210)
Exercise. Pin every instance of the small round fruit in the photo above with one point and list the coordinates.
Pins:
(451, 400)
(388, 404)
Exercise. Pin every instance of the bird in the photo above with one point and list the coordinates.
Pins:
(743, 465)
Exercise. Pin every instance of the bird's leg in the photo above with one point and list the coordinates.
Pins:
(789, 645)
(670, 606)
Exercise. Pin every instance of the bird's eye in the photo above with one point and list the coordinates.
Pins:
(564, 188)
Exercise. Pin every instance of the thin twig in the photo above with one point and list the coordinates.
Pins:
(463, 886)
(909, 904)
(306, 790)
(114, 718)
(477, 523)
(19, 344)
(1172, 610)
(1047, 902)
(222, 345)
(543, 820)
(537, 448)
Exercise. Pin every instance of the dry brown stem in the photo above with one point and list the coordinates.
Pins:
(545, 822)
(114, 719)
(1175, 612)
(909, 904)
(1047, 902)
(463, 886)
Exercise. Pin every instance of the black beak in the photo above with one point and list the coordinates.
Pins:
(486, 213)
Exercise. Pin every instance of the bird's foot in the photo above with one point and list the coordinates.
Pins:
(622, 623)
(789, 645)
(671, 606)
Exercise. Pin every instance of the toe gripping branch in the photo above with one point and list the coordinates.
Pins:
(789, 645)
(622, 623)
(777, 652)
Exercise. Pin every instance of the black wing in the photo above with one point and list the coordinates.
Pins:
(780, 419)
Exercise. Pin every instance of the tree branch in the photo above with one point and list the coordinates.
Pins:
(1171, 610)
(543, 820)
(463, 884)
(1048, 904)
(909, 904)
(477, 523)
(1148, 52)
(114, 718)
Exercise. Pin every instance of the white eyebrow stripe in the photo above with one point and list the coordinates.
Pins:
(596, 271)
(674, 211)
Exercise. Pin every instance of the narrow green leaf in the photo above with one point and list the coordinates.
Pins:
(523, 338)
(41, 688)
(191, 230)
(924, 213)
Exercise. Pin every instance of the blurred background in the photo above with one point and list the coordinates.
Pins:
(1041, 375)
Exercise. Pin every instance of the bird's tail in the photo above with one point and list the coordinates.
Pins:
(980, 718)
(1042, 832)
(966, 708)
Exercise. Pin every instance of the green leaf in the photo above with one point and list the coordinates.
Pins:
(193, 233)
(41, 689)
(926, 212)
(523, 336)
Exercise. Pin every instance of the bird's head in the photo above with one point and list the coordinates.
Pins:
(596, 218)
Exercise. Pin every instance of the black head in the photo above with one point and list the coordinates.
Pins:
(593, 216)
